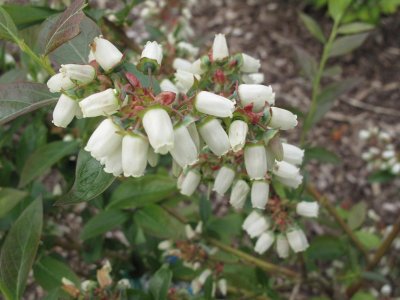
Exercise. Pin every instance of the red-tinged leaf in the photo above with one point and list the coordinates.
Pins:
(166, 98)
(133, 80)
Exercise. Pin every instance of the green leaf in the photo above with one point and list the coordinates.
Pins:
(44, 157)
(355, 27)
(9, 198)
(90, 180)
(66, 27)
(157, 222)
(226, 227)
(326, 247)
(137, 192)
(363, 296)
(381, 176)
(102, 222)
(370, 240)
(14, 75)
(313, 27)
(346, 44)
(337, 8)
(321, 154)
(205, 209)
(307, 63)
(144, 79)
(332, 71)
(20, 98)
(19, 251)
(159, 284)
(357, 215)
(8, 30)
(27, 15)
(49, 271)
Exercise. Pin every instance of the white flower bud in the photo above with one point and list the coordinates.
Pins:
(82, 73)
(182, 64)
(196, 67)
(65, 111)
(255, 161)
(105, 53)
(152, 157)
(184, 151)
(220, 47)
(88, 285)
(257, 94)
(165, 245)
(264, 242)
(59, 82)
(190, 234)
(237, 134)
(364, 134)
(288, 174)
(250, 219)
(223, 180)
(292, 154)
(184, 80)
(199, 228)
(291, 182)
(123, 284)
(204, 275)
(189, 48)
(282, 119)
(91, 56)
(113, 162)
(282, 246)
(297, 240)
(189, 183)
(223, 287)
(239, 194)
(307, 209)
(256, 228)
(214, 105)
(104, 140)
(99, 104)
(194, 135)
(134, 155)
(166, 85)
(158, 127)
(254, 78)
(259, 194)
(250, 64)
(215, 137)
(153, 50)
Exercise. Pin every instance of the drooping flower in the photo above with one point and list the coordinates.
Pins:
(259, 194)
(134, 155)
(253, 78)
(237, 134)
(65, 111)
(100, 104)
(297, 240)
(257, 94)
(255, 161)
(214, 105)
(167, 85)
(239, 194)
(220, 47)
(223, 180)
(189, 183)
(282, 119)
(250, 64)
(106, 54)
(184, 80)
(84, 74)
(282, 246)
(215, 137)
(184, 151)
(158, 127)
(113, 162)
(307, 209)
(182, 64)
(59, 82)
(292, 154)
(288, 174)
(264, 242)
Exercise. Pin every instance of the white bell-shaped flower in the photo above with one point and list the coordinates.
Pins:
(239, 194)
(282, 119)
(65, 111)
(134, 155)
(250, 219)
(288, 174)
(297, 240)
(292, 154)
(282, 246)
(257, 94)
(167, 85)
(256, 228)
(59, 82)
(189, 48)
(91, 56)
(222, 287)
(307, 209)
(264, 242)
(184, 151)
(220, 47)
(84, 74)
(158, 127)
(259, 194)
(153, 50)
(250, 64)
(105, 53)
(237, 134)
(189, 182)
(113, 162)
(152, 157)
(214, 105)
(223, 180)
(215, 137)
(255, 161)
(293, 182)
(254, 78)
(197, 68)
(182, 64)
(184, 80)
(100, 104)
(194, 134)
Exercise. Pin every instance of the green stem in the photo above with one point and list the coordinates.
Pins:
(41, 61)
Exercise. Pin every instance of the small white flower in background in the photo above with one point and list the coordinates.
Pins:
(282, 246)
(123, 284)
(88, 285)
(167, 85)
(189, 48)
(297, 240)
(189, 182)
(214, 105)
(196, 67)
(59, 82)
(237, 134)
(255, 224)
(386, 290)
(159, 130)
(307, 209)
(184, 151)
(282, 119)
(222, 287)
(184, 80)
(257, 94)
(105, 53)
(215, 137)
(239, 194)
(134, 155)
(152, 157)
(182, 64)
(100, 104)
(292, 154)
(250, 64)
(113, 162)
(396, 168)
(220, 47)
(250, 219)
(198, 282)
(65, 111)
(66, 281)
(190, 234)
(264, 242)
(165, 245)
(84, 74)
(254, 78)
(223, 180)
(388, 154)
(255, 161)
(288, 174)
(364, 134)
(153, 50)
(259, 194)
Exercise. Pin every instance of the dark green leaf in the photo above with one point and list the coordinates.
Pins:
(19, 251)
(381, 176)
(370, 240)
(332, 71)
(226, 227)
(159, 284)
(17, 99)
(208, 288)
(8, 30)
(205, 209)
(90, 180)
(14, 75)
(346, 44)
(357, 215)
(27, 15)
(9, 198)
(326, 247)
(44, 157)
(137, 192)
(355, 27)
(307, 63)
(321, 154)
(102, 222)
(337, 8)
(313, 27)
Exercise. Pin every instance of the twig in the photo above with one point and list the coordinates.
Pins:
(331, 209)
(376, 109)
